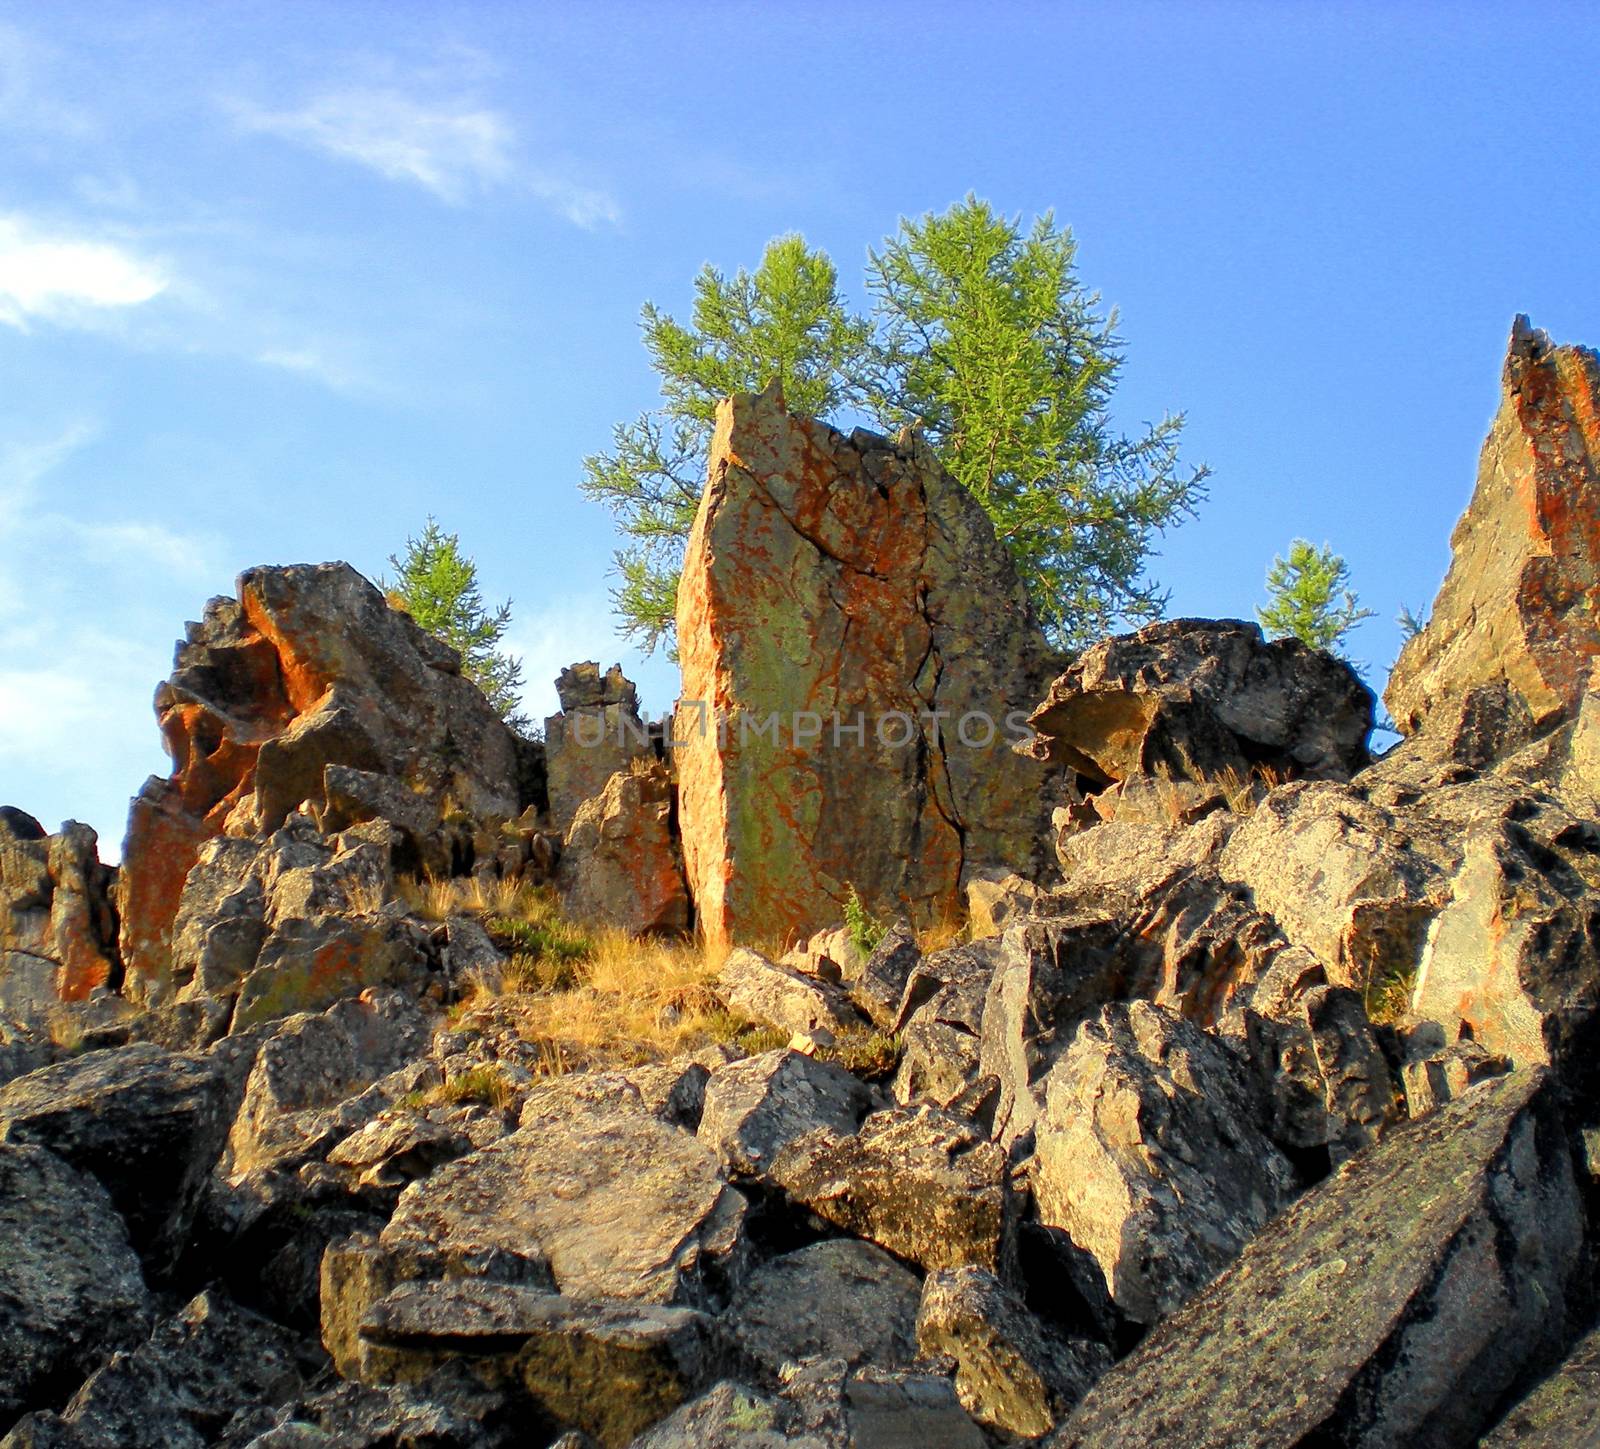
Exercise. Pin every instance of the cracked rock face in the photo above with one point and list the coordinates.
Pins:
(1518, 607)
(307, 687)
(851, 579)
(1394, 1304)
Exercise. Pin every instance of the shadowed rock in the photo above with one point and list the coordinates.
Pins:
(1394, 1304)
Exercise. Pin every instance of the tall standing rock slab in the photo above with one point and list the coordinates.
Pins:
(1394, 1304)
(1520, 605)
(847, 581)
(309, 670)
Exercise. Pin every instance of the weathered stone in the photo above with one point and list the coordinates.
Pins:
(355, 1416)
(996, 899)
(620, 866)
(308, 964)
(829, 577)
(756, 1106)
(928, 1186)
(150, 1124)
(731, 1416)
(831, 956)
(1353, 882)
(1204, 700)
(1562, 1411)
(606, 1200)
(309, 668)
(881, 982)
(183, 1385)
(597, 734)
(1516, 954)
(1394, 1304)
(835, 1299)
(610, 1369)
(1435, 1072)
(877, 1408)
(70, 1285)
(1011, 1374)
(1151, 1156)
(56, 907)
(939, 1020)
(1518, 604)
(769, 992)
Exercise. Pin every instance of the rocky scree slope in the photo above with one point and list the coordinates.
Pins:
(1264, 1115)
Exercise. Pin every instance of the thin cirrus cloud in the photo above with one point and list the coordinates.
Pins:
(66, 279)
(453, 150)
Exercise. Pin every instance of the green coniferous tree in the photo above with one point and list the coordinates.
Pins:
(437, 584)
(982, 335)
(1309, 597)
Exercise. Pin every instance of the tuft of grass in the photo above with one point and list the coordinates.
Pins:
(552, 939)
(481, 1084)
(874, 1055)
(866, 931)
(949, 930)
(1387, 996)
(429, 899)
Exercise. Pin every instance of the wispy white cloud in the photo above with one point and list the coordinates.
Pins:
(65, 279)
(452, 148)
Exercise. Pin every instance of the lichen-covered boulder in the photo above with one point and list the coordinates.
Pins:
(1152, 1157)
(1203, 700)
(71, 1289)
(754, 1107)
(855, 642)
(148, 1123)
(309, 669)
(925, 1184)
(1396, 1303)
(834, 1299)
(620, 865)
(1012, 1373)
(1518, 608)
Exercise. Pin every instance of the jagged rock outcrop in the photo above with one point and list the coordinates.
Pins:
(620, 864)
(308, 670)
(757, 1106)
(58, 923)
(1203, 701)
(829, 578)
(1562, 1412)
(1517, 614)
(1393, 1304)
(597, 733)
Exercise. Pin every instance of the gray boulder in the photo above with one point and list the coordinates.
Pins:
(783, 996)
(149, 1124)
(928, 1186)
(1151, 1155)
(755, 1106)
(607, 1368)
(71, 1289)
(1563, 1409)
(834, 1299)
(1394, 1304)
(1011, 1373)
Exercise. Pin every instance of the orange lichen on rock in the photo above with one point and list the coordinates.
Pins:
(857, 655)
(1520, 606)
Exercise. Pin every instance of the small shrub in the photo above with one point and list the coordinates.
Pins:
(866, 931)
(1388, 993)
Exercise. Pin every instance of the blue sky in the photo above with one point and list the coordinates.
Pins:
(277, 281)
